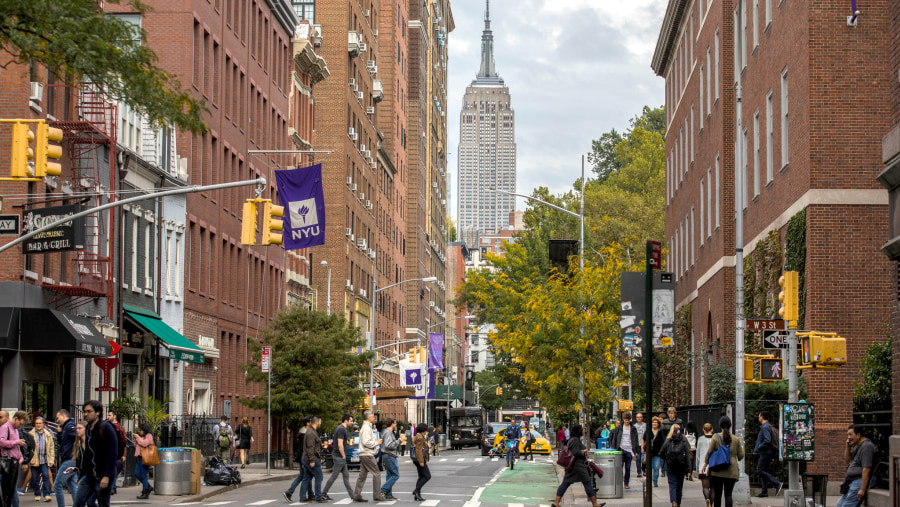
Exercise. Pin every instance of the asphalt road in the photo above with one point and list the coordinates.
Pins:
(459, 479)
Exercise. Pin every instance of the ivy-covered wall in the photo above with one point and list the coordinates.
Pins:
(795, 258)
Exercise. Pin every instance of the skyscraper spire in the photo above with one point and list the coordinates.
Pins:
(487, 74)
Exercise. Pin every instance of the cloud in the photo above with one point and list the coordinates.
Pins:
(575, 69)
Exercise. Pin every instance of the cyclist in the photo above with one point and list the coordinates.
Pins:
(513, 433)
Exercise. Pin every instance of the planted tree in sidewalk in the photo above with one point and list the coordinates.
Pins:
(315, 369)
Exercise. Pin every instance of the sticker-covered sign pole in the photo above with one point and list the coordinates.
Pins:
(654, 260)
(267, 368)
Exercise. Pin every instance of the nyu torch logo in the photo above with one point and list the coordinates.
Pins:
(304, 218)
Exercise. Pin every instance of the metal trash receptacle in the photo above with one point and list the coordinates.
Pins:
(612, 484)
(442, 440)
(814, 488)
(185, 472)
(168, 478)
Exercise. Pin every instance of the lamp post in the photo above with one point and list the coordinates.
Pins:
(371, 342)
(328, 301)
(582, 413)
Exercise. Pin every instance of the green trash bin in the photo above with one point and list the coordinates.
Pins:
(612, 484)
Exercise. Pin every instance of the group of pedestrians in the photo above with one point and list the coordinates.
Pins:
(388, 441)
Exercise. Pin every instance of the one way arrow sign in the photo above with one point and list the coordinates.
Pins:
(774, 340)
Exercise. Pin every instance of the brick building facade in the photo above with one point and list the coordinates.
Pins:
(798, 145)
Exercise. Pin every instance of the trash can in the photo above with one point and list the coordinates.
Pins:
(814, 489)
(168, 479)
(612, 484)
(196, 470)
(185, 472)
(442, 440)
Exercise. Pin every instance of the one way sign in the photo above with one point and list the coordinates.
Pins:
(774, 340)
(9, 225)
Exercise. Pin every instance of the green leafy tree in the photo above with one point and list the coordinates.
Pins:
(603, 157)
(76, 41)
(875, 373)
(314, 371)
(488, 397)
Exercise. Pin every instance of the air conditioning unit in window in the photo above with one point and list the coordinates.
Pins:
(362, 147)
(353, 82)
(371, 253)
(444, 202)
(351, 131)
(370, 110)
(431, 304)
(348, 284)
(362, 196)
(368, 154)
(375, 32)
(353, 187)
(368, 12)
(349, 180)
(355, 137)
(360, 95)
(353, 42)
(363, 47)
(355, 87)
(374, 164)
(361, 243)
(362, 292)
(369, 205)
(370, 65)
(434, 184)
(37, 92)
(349, 231)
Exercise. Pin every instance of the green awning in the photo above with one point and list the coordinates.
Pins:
(180, 348)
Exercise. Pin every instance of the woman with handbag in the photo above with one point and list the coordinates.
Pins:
(723, 466)
(420, 458)
(143, 446)
(244, 438)
(577, 471)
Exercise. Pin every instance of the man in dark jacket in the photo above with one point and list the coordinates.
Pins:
(66, 441)
(100, 453)
(311, 459)
(625, 438)
(766, 448)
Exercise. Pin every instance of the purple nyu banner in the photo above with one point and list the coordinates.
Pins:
(429, 387)
(300, 192)
(436, 351)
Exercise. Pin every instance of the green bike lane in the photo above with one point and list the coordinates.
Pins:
(528, 483)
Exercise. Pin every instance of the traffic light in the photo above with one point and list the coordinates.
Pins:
(21, 151)
(45, 135)
(789, 296)
(499, 391)
(272, 224)
(822, 349)
(749, 374)
(248, 223)
(771, 369)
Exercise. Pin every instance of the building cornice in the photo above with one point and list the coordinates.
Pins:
(285, 15)
(667, 34)
(308, 62)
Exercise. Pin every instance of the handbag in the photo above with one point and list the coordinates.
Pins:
(720, 459)
(566, 458)
(150, 455)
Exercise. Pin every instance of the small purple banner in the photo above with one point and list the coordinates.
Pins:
(429, 387)
(300, 192)
(436, 351)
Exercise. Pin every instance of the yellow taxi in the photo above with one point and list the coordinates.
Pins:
(540, 446)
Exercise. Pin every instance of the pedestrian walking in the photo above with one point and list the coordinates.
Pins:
(224, 439)
(859, 454)
(653, 442)
(123, 445)
(11, 445)
(625, 439)
(641, 427)
(339, 443)
(244, 439)
(420, 456)
(560, 437)
(368, 443)
(42, 461)
(143, 439)
(566, 433)
(529, 442)
(671, 419)
(403, 439)
(767, 449)
(433, 440)
(312, 459)
(100, 452)
(723, 481)
(676, 455)
(690, 434)
(578, 472)
(305, 494)
(389, 447)
(700, 461)
(66, 446)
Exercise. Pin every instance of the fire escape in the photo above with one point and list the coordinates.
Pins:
(89, 125)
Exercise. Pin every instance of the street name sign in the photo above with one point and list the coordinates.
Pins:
(765, 324)
(774, 340)
(9, 225)
(368, 385)
(266, 358)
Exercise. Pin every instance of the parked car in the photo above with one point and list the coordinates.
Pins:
(352, 452)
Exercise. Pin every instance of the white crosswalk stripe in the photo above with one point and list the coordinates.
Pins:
(220, 503)
(460, 459)
(429, 503)
(262, 502)
(344, 501)
(516, 505)
(392, 502)
(443, 459)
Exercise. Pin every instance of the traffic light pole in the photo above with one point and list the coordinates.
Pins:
(261, 182)
(794, 489)
(648, 352)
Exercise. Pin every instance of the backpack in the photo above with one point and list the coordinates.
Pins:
(678, 456)
(529, 437)
(120, 436)
(224, 440)
(773, 440)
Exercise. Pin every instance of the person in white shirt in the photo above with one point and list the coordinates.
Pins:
(367, 464)
(625, 438)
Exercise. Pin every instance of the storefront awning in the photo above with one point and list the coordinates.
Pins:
(9, 328)
(180, 348)
(46, 330)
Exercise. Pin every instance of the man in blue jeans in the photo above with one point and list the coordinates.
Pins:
(766, 448)
(389, 446)
(513, 434)
(312, 460)
(66, 440)
(860, 457)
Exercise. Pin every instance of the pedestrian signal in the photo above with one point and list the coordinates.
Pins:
(499, 391)
(771, 369)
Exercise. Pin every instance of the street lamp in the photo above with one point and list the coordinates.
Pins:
(582, 414)
(371, 341)
(328, 301)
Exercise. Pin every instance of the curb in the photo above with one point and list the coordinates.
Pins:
(223, 489)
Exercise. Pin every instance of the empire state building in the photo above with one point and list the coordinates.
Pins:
(487, 149)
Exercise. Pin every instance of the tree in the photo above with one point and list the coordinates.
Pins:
(76, 41)
(875, 372)
(603, 157)
(488, 397)
(313, 370)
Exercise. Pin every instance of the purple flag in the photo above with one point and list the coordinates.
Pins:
(429, 387)
(436, 351)
(300, 192)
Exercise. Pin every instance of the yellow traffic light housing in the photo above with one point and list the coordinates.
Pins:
(45, 136)
(21, 151)
(248, 223)
(822, 350)
(272, 224)
(789, 296)
(499, 391)
(749, 374)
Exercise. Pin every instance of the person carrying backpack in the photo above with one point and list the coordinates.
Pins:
(724, 479)
(529, 441)
(224, 437)
(676, 455)
(767, 450)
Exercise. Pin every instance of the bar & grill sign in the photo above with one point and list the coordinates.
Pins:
(66, 236)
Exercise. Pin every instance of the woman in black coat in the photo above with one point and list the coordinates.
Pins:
(578, 472)
(244, 437)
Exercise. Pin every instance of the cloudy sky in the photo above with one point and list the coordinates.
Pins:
(575, 69)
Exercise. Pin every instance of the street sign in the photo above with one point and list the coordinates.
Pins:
(774, 340)
(115, 348)
(266, 359)
(765, 324)
(771, 369)
(655, 255)
(9, 225)
(368, 385)
(625, 405)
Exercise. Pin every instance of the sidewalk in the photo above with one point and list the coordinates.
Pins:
(255, 473)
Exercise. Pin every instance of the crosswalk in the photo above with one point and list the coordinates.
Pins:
(346, 501)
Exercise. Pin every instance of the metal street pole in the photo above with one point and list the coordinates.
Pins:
(795, 489)
(328, 301)
(269, 420)
(648, 351)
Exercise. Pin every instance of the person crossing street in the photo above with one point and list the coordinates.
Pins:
(389, 447)
(513, 434)
(367, 465)
(339, 447)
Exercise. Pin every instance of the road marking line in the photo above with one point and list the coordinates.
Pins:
(516, 505)
(460, 459)
(445, 459)
(430, 503)
(220, 503)
(344, 501)
(392, 502)
(262, 502)
(470, 503)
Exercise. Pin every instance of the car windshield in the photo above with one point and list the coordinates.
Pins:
(494, 428)
(353, 439)
(465, 421)
(536, 434)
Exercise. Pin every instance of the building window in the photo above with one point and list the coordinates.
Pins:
(134, 261)
(702, 215)
(768, 13)
(709, 73)
(202, 398)
(755, 24)
(702, 82)
(717, 62)
(770, 139)
(756, 153)
(784, 118)
(148, 256)
(693, 237)
(709, 202)
(718, 192)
